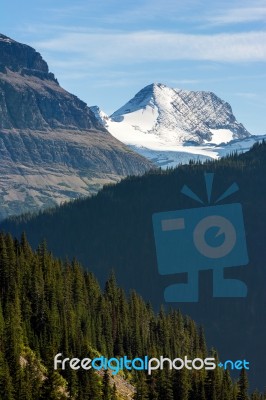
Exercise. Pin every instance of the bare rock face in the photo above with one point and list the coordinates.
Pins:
(17, 56)
(52, 147)
(30, 96)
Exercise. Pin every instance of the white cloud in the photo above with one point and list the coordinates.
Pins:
(240, 15)
(196, 12)
(146, 46)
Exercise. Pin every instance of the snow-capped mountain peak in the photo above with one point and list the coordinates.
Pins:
(145, 97)
(170, 126)
(179, 116)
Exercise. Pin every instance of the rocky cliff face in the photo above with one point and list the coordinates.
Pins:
(52, 147)
(17, 56)
(30, 96)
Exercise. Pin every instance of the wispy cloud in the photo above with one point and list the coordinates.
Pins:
(118, 13)
(247, 95)
(239, 15)
(145, 46)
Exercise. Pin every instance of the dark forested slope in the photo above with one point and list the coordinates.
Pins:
(113, 230)
(47, 307)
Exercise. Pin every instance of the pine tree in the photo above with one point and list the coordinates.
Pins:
(152, 386)
(256, 395)
(164, 386)
(226, 391)
(141, 388)
(181, 384)
(106, 388)
(114, 392)
(202, 343)
(6, 387)
(243, 386)
(2, 329)
(200, 391)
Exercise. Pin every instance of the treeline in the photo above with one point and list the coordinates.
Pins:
(49, 307)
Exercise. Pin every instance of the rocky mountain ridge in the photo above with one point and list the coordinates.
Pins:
(31, 97)
(52, 147)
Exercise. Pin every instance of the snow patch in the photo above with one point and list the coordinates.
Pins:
(221, 136)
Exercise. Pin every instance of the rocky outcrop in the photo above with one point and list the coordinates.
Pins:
(16, 56)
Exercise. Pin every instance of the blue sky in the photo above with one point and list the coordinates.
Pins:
(104, 51)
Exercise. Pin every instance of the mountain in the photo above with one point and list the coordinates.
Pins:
(169, 126)
(113, 231)
(52, 147)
